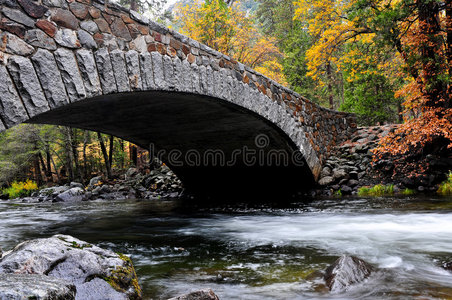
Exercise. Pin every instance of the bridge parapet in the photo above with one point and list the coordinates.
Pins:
(56, 52)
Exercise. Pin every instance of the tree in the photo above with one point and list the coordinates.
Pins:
(230, 31)
(152, 8)
(421, 32)
(105, 155)
(46, 153)
(343, 51)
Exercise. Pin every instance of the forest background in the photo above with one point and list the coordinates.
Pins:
(386, 61)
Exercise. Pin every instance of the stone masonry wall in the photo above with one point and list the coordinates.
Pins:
(54, 52)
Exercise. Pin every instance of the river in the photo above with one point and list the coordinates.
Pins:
(260, 252)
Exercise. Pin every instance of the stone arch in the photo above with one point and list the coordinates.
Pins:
(71, 52)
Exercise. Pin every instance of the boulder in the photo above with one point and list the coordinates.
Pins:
(72, 195)
(353, 182)
(53, 191)
(95, 272)
(95, 181)
(339, 173)
(326, 180)
(346, 271)
(32, 286)
(326, 171)
(131, 173)
(448, 266)
(346, 190)
(76, 184)
(205, 294)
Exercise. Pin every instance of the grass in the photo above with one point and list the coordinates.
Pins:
(376, 190)
(408, 192)
(445, 188)
(20, 189)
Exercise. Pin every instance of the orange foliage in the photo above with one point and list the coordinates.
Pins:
(428, 111)
(230, 31)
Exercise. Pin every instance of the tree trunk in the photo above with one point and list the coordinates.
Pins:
(49, 166)
(449, 49)
(44, 166)
(74, 144)
(110, 154)
(330, 84)
(68, 152)
(37, 169)
(56, 171)
(133, 154)
(433, 87)
(85, 160)
(105, 154)
(122, 153)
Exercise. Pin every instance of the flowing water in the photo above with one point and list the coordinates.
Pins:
(259, 252)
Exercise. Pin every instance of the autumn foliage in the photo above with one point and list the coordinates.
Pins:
(408, 41)
(426, 50)
(230, 31)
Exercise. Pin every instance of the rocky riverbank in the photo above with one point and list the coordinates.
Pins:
(160, 183)
(63, 267)
(351, 167)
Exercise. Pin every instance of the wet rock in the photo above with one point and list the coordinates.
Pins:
(205, 294)
(448, 266)
(346, 271)
(72, 195)
(30, 200)
(53, 191)
(96, 273)
(32, 286)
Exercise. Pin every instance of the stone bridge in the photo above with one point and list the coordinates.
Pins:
(221, 126)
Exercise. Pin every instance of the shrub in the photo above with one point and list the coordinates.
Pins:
(21, 189)
(376, 190)
(408, 192)
(445, 188)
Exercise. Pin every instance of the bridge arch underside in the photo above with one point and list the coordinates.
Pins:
(217, 148)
